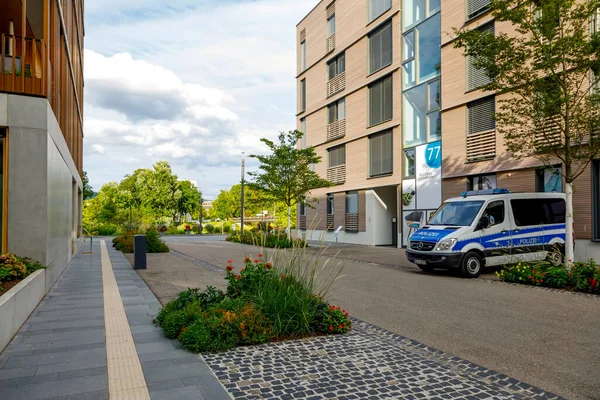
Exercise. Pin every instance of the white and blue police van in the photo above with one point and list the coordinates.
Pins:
(491, 228)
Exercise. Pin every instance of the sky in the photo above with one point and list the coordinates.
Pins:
(193, 82)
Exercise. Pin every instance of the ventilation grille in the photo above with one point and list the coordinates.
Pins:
(303, 222)
(352, 222)
(337, 175)
(336, 84)
(336, 129)
(302, 35)
(481, 146)
(331, 43)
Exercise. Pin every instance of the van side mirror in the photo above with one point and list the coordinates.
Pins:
(484, 222)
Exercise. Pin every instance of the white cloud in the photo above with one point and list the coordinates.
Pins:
(196, 90)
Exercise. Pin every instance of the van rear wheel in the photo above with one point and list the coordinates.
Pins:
(471, 265)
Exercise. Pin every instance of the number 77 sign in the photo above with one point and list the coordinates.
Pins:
(429, 175)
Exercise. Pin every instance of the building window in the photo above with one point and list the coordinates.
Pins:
(378, 7)
(303, 130)
(380, 101)
(549, 180)
(303, 56)
(336, 111)
(336, 156)
(380, 48)
(481, 115)
(336, 66)
(422, 55)
(330, 204)
(303, 95)
(476, 7)
(416, 11)
(530, 212)
(380, 154)
(422, 119)
(482, 182)
(352, 203)
(409, 163)
(302, 209)
(476, 77)
(331, 25)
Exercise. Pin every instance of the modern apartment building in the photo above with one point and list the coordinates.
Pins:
(395, 111)
(41, 129)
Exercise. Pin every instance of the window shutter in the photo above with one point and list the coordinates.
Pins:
(477, 77)
(375, 51)
(332, 113)
(481, 115)
(476, 7)
(386, 45)
(387, 99)
(380, 48)
(375, 149)
(375, 104)
(386, 153)
(332, 68)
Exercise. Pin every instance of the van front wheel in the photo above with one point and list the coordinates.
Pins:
(471, 265)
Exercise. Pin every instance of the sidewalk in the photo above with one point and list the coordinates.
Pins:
(61, 351)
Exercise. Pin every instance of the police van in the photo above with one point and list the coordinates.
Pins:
(491, 228)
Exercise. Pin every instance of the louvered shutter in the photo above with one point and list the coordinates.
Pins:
(375, 103)
(386, 45)
(375, 149)
(476, 7)
(387, 99)
(331, 114)
(375, 51)
(331, 66)
(386, 153)
(477, 77)
(481, 115)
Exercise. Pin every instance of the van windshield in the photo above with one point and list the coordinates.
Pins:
(460, 213)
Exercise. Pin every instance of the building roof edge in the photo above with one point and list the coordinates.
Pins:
(310, 12)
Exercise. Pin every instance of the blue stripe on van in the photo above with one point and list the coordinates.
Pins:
(490, 242)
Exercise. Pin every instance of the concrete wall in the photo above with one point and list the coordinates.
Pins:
(43, 204)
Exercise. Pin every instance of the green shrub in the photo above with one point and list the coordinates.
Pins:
(13, 267)
(265, 239)
(209, 228)
(154, 243)
(333, 320)
(175, 321)
(197, 228)
(581, 275)
(226, 228)
(104, 229)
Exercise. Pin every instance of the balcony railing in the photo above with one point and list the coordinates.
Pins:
(337, 175)
(23, 68)
(331, 43)
(351, 222)
(481, 146)
(336, 84)
(330, 222)
(549, 134)
(336, 129)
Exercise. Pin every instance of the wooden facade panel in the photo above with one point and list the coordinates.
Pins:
(362, 211)
(582, 200)
(316, 215)
(453, 187)
(517, 181)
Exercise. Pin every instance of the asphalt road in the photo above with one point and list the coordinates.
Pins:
(546, 338)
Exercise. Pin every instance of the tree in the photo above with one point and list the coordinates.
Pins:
(163, 192)
(88, 192)
(546, 77)
(285, 174)
(189, 200)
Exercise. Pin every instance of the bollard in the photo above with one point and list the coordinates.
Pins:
(139, 252)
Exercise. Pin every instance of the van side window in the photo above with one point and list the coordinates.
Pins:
(495, 212)
(529, 212)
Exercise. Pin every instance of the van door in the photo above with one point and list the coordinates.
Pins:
(496, 238)
(528, 233)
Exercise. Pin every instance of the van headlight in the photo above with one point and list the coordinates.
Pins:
(446, 244)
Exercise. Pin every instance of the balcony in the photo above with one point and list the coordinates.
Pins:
(22, 65)
(336, 84)
(337, 175)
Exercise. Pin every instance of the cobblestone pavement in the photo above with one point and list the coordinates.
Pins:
(367, 363)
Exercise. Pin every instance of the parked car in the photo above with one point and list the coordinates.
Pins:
(490, 228)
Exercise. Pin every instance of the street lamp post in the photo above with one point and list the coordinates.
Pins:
(243, 166)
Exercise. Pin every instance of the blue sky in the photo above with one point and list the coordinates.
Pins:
(191, 82)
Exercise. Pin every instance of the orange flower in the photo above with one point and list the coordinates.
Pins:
(268, 265)
(229, 268)
(330, 328)
(238, 277)
(246, 259)
(229, 261)
(340, 326)
(260, 255)
(256, 261)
